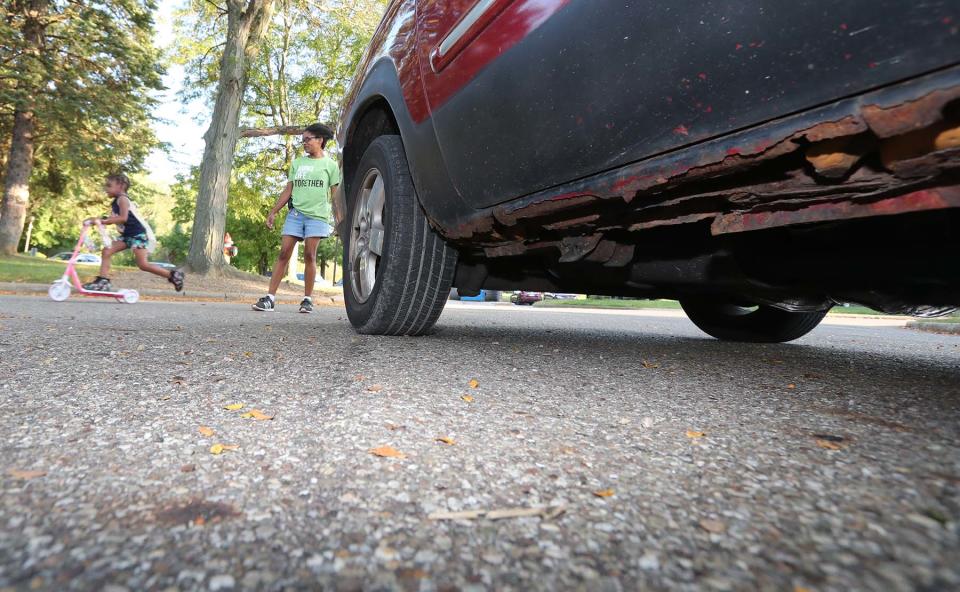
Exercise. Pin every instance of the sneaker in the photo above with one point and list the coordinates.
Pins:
(101, 284)
(265, 304)
(306, 305)
(176, 278)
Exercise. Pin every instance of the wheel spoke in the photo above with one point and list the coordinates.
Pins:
(376, 240)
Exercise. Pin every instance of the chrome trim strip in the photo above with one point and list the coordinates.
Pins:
(468, 20)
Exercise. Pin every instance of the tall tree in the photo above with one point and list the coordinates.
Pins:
(75, 83)
(246, 24)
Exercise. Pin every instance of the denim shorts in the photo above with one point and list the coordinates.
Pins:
(303, 226)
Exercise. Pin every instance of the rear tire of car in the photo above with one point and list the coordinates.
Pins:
(760, 324)
(402, 289)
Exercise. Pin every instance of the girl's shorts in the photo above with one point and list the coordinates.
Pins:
(302, 226)
(137, 241)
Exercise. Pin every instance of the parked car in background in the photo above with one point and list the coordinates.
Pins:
(757, 161)
(82, 258)
(521, 297)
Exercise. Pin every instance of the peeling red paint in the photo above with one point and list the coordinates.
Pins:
(681, 130)
(702, 76)
(738, 46)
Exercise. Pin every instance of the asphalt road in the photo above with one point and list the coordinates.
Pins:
(832, 463)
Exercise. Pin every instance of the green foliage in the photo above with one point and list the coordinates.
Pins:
(91, 80)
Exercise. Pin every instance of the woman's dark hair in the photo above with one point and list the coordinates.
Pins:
(120, 178)
(321, 131)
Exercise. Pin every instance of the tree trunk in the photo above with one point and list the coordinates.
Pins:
(16, 187)
(245, 27)
(19, 165)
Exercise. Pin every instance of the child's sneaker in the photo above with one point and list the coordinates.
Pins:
(306, 305)
(101, 284)
(265, 304)
(176, 278)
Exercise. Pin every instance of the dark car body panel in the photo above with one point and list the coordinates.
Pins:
(603, 83)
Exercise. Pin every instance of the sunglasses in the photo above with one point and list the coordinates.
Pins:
(306, 139)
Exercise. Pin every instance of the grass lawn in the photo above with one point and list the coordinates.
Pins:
(33, 270)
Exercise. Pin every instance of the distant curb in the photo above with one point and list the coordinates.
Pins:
(185, 296)
(934, 327)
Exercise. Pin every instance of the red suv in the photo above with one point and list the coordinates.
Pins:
(757, 161)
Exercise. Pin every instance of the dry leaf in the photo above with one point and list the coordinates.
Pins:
(248, 354)
(178, 380)
(650, 365)
(221, 448)
(446, 440)
(359, 378)
(206, 431)
(603, 493)
(394, 427)
(693, 434)
(375, 388)
(233, 406)
(387, 452)
(199, 521)
(257, 415)
(25, 474)
(791, 386)
(467, 398)
(474, 383)
(714, 526)
(828, 444)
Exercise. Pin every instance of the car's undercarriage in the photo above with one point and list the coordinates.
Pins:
(854, 202)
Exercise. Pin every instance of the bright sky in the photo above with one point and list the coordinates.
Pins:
(182, 126)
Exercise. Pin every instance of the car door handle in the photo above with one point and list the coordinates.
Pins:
(466, 30)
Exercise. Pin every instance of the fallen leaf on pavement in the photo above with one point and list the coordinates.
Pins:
(206, 431)
(248, 354)
(188, 468)
(446, 440)
(359, 378)
(25, 474)
(828, 444)
(376, 388)
(221, 448)
(387, 452)
(693, 434)
(714, 526)
(474, 383)
(233, 406)
(604, 493)
(467, 398)
(791, 386)
(650, 365)
(257, 415)
(178, 380)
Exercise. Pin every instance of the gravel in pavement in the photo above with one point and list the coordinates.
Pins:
(656, 458)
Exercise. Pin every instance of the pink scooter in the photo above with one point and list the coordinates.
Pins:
(60, 289)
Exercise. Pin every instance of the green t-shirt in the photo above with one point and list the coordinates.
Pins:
(312, 179)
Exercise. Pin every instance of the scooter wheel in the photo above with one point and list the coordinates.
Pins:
(129, 296)
(59, 291)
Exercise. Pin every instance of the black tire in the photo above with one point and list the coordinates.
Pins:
(415, 268)
(762, 324)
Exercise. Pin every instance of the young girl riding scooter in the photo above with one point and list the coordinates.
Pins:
(133, 235)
